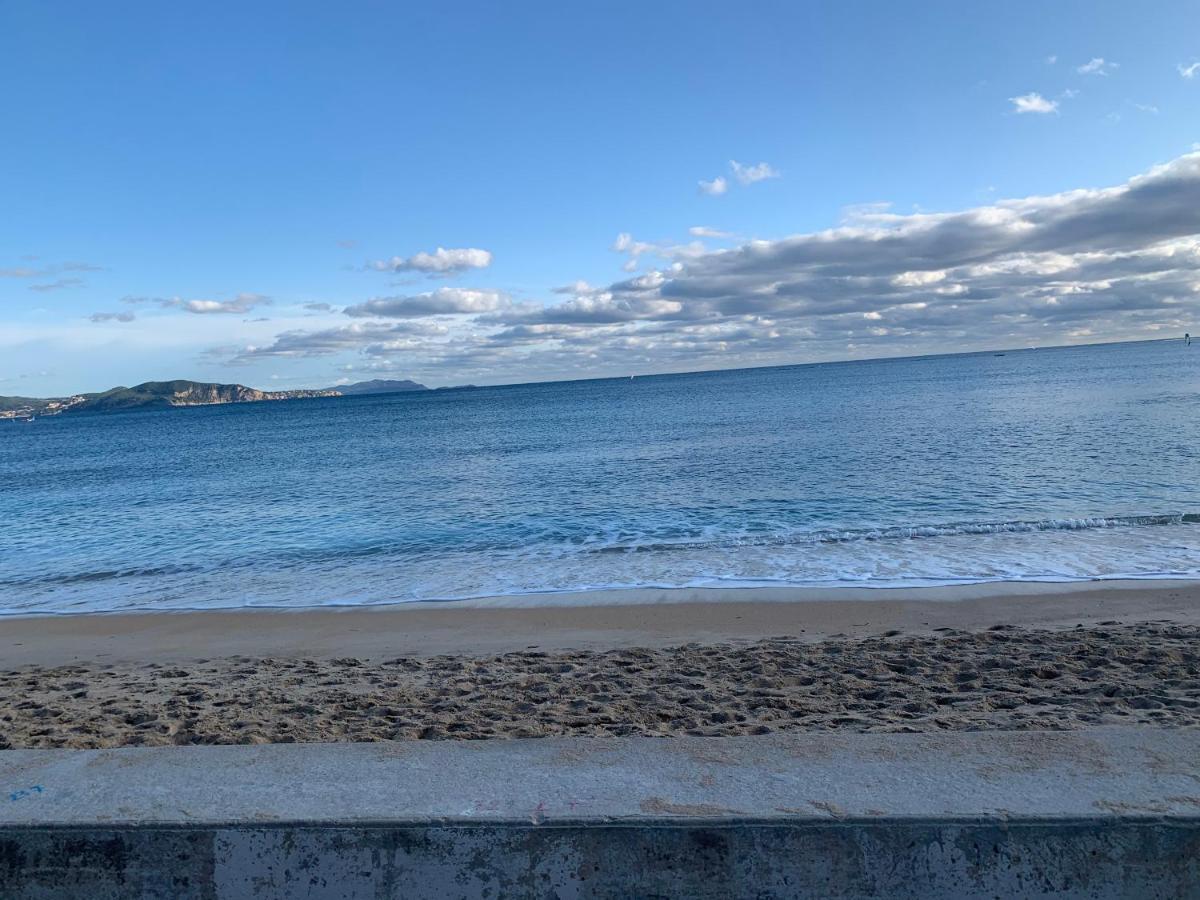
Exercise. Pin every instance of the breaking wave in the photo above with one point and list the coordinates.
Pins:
(911, 532)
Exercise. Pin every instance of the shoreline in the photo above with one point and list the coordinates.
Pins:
(591, 620)
(990, 658)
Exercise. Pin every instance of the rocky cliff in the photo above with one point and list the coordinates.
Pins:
(151, 395)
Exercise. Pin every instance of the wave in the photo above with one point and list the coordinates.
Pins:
(552, 552)
(912, 532)
(69, 578)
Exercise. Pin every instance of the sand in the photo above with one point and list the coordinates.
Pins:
(1049, 657)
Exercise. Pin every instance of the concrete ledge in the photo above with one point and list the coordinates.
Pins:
(1100, 813)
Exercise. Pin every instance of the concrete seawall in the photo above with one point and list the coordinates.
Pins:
(1098, 814)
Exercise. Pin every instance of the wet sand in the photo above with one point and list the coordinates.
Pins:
(987, 657)
(593, 621)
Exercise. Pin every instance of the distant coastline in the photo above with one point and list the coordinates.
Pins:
(26, 407)
(169, 394)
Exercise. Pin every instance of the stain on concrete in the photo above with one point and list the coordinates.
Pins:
(657, 806)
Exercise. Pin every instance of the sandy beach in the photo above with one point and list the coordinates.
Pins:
(649, 662)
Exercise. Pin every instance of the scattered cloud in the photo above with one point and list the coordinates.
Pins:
(49, 272)
(319, 307)
(442, 302)
(1097, 65)
(372, 338)
(112, 317)
(1051, 59)
(1034, 102)
(1146, 108)
(57, 285)
(1086, 264)
(703, 231)
(441, 261)
(743, 174)
(1189, 71)
(625, 243)
(240, 304)
(750, 174)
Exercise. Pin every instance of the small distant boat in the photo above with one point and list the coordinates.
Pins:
(997, 354)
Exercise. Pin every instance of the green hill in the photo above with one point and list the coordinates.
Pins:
(153, 395)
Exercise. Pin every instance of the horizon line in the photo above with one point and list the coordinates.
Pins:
(454, 387)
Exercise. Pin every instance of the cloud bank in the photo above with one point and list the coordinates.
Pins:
(443, 301)
(1101, 263)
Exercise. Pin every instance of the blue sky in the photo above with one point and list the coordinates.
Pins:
(221, 191)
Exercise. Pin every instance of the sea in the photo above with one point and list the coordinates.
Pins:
(1064, 464)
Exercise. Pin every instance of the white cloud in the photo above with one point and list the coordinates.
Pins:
(625, 243)
(1097, 66)
(1189, 71)
(1034, 102)
(112, 317)
(703, 231)
(442, 302)
(1051, 59)
(750, 174)
(441, 261)
(918, 279)
(241, 303)
(714, 188)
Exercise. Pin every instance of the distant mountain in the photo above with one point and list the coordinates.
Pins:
(378, 386)
(150, 395)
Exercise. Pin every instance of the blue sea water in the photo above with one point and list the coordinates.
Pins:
(1058, 464)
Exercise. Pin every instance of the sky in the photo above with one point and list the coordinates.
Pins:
(306, 194)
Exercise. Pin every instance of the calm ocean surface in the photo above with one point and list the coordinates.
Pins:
(1050, 464)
